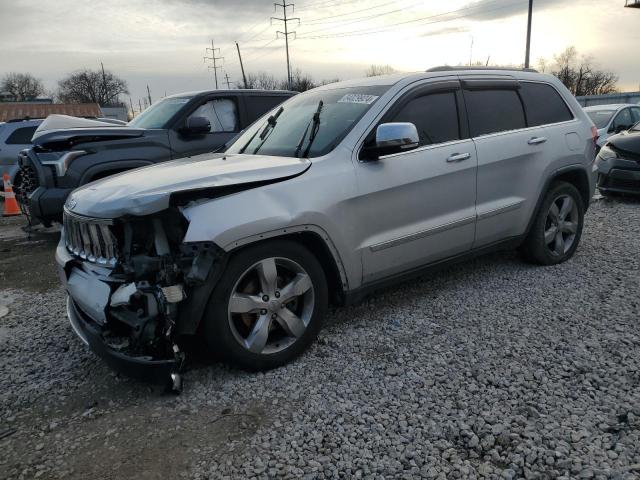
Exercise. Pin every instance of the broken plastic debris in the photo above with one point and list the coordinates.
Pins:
(122, 295)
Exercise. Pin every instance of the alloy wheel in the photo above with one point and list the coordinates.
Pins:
(561, 225)
(271, 305)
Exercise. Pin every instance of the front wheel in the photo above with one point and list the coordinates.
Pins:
(267, 307)
(557, 228)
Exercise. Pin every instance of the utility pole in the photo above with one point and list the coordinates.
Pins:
(244, 78)
(214, 59)
(104, 82)
(149, 95)
(471, 51)
(226, 76)
(133, 112)
(140, 105)
(286, 32)
(526, 55)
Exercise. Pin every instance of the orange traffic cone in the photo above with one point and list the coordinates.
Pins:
(10, 204)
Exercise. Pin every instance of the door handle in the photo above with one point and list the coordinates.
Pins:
(536, 140)
(458, 157)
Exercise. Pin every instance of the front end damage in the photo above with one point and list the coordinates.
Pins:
(135, 290)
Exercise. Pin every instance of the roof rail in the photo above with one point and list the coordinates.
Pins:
(24, 119)
(449, 68)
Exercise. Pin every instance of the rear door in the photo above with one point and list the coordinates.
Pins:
(516, 148)
(419, 206)
(225, 114)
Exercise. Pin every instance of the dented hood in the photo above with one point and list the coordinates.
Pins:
(149, 189)
(67, 131)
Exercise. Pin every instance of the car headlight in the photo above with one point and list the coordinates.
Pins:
(607, 153)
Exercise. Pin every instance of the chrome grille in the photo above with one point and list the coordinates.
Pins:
(90, 239)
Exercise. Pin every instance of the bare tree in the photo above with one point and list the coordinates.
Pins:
(22, 86)
(92, 86)
(376, 70)
(580, 74)
(262, 81)
(300, 82)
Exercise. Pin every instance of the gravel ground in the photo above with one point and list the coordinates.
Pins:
(491, 369)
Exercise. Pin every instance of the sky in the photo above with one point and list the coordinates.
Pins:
(161, 43)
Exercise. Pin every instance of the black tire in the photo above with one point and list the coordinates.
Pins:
(535, 249)
(220, 336)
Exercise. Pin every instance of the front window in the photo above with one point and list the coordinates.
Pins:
(157, 115)
(293, 133)
(600, 118)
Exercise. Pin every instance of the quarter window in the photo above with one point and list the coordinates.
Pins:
(21, 136)
(435, 117)
(543, 104)
(492, 111)
(221, 113)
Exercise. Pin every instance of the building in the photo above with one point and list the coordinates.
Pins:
(17, 110)
(625, 97)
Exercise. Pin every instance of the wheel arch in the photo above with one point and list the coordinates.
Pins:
(317, 241)
(576, 175)
(103, 170)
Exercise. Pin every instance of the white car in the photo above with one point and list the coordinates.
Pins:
(612, 119)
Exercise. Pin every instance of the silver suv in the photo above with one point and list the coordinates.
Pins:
(333, 194)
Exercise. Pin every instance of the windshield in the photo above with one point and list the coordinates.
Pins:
(341, 109)
(600, 117)
(158, 114)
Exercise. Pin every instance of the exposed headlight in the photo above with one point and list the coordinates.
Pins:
(607, 153)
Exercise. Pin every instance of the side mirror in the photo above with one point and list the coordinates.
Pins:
(396, 137)
(197, 126)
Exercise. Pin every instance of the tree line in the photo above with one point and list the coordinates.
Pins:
(579, 73)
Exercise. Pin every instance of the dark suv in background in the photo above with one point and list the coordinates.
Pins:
(62, 159)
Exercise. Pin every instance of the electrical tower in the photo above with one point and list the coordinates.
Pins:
(214, 59)
(286, 32)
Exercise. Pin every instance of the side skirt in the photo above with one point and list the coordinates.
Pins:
(358, 294)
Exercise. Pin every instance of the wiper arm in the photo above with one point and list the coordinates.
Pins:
(271, 122)
(315, 126)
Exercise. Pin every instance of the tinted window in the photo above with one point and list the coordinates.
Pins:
(21, 136)
(543, 104)
(221, 113)
(259, 105)
(493, 111)
(435, 116)
(635, 112)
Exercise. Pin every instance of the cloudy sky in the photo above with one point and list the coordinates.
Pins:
(161, 42)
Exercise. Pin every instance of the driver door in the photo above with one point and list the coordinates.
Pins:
(223, 114)
(418, 206)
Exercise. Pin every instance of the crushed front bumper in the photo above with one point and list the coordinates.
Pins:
(87, 301)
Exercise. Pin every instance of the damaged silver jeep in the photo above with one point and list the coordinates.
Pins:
(332, 194)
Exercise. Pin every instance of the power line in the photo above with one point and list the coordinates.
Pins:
(286, 32)
(386, 28)
(320, 20)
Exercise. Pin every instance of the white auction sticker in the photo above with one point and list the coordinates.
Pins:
(358, 98)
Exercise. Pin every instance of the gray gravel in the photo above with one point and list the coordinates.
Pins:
(491, 369)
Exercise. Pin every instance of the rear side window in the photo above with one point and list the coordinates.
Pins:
(635, 112)
(221, 113)
(543, 104)
(492, 111)
(435, 117)
(258, 105)
(21, 136)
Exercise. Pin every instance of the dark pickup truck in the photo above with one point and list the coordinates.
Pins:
(69, 152)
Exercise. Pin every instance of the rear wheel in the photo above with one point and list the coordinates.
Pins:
(557, 228)
(267, 307)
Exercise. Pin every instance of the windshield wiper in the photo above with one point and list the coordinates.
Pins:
(314, 124)
(271, 122)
